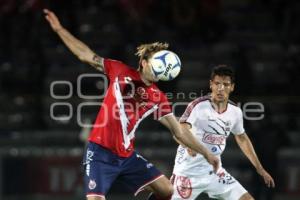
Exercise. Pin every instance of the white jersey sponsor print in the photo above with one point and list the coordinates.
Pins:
(211, 129)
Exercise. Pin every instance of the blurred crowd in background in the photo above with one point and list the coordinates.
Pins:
(260, 39)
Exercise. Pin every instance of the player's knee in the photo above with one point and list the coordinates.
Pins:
(166, 194)
(153, 196)
(169, 190)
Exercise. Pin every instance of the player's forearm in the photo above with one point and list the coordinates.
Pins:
(178, 141)
(188, 140)
(248, 149)
(82, 51)
(183, 136)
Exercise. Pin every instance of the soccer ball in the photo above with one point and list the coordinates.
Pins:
(165, 64)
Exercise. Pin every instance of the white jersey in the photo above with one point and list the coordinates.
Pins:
(211, 129)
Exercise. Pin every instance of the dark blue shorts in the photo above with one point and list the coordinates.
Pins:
(102, 168)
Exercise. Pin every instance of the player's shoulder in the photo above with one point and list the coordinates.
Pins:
(117, 63)
(113, 61)
(234, 106)
(200, 101)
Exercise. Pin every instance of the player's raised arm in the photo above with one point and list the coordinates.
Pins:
(81, 50)
(185, 137)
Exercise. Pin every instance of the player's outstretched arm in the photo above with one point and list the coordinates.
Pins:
(246, 146)
(81, 50)
(185, 137)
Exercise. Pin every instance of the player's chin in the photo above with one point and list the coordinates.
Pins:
(220, 99)
(155, 79)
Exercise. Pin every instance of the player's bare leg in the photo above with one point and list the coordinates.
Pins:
(246, 196)
(162, 189)
(95, 198)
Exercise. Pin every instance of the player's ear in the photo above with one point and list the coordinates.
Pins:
(210, 84)
(143, 63)
(232, 87)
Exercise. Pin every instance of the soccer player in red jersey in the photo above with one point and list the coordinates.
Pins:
(131, 96)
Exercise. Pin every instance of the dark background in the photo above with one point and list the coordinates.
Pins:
(40, 158)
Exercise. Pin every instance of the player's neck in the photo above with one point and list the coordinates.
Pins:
(143, 78)
(218, 106)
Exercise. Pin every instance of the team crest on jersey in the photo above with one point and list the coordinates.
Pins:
(227, 123)
(92, 184)
(140, 96)
(141, 91)
(227, 126)
(184, 186)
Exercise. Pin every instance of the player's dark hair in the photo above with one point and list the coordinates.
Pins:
(145, 51)
(223, 70)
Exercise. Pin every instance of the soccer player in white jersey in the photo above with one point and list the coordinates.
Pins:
(212, 118)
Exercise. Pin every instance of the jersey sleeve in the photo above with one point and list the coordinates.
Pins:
(189, 115)
(113, 67)
(238, 127)
(164, 107)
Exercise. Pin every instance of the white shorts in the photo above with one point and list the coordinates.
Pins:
(218, 186)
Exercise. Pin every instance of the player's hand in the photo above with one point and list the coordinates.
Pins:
(214, 161)
(53, 20)
(267, 177)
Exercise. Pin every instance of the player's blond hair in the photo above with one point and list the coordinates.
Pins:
(145, 51)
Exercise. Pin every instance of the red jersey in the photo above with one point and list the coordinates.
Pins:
(127, 102)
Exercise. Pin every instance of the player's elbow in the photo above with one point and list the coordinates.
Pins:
(168, 191)
(178, 134)
(242, 139)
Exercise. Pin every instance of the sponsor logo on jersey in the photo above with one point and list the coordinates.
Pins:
(214, 139)
(214, 149)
